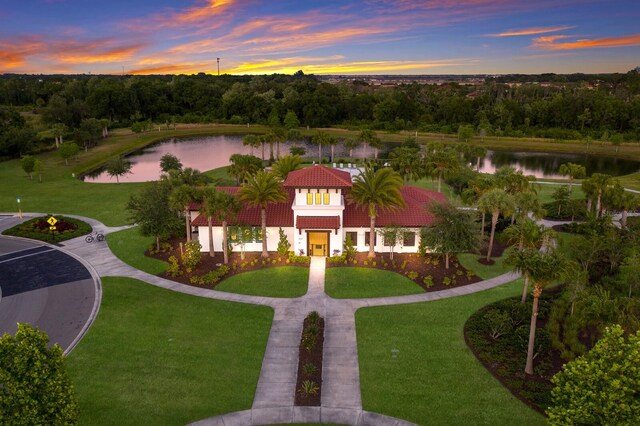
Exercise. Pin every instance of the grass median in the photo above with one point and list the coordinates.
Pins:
(172, 360)
(129, 246)
(284, 281)
(356, 283)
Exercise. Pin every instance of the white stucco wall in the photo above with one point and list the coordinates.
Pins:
(273, 237)
(380, 247)
(335, 197)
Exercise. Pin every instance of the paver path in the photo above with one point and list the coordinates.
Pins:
(273, 402)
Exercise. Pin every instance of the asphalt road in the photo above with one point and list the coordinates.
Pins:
(44, 287)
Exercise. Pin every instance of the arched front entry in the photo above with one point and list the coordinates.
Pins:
(318, 243)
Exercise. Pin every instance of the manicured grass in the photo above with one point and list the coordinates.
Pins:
(284, 281)
(631, 181)
(470, 261)
(356, 283)
(129, 246)
(545, 192)
(434, 378)
(158, 357)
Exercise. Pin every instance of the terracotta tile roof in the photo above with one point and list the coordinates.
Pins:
(318, 222)
(278, 214)
(318, 176)
(413, 215)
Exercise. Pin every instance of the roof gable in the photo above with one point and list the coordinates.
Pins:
(318, 176)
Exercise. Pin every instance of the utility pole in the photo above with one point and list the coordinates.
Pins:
(218, 59)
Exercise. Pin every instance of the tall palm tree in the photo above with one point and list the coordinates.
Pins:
(495, 201)
(180, 198)
(278, 135)
(243, 165)
(442, 162)
(370, 138)
(251, 141)
(599, 182)
(286, 165)
(208, 208)
(527, 202)
(259, 190)
(320, 139)
(351, 144)
(227, 207)
(544, 268)
(407, 161)
(477, 187)
(332, 142)
(377, 190)
(574, 171)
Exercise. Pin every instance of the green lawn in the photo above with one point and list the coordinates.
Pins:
(631, 181)
(356, 283)
(434, 378)
(545, 192)
(129, 246)
(158, 357)
(284, 281)
(470, 262)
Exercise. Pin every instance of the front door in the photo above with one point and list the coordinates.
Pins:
(318, 243)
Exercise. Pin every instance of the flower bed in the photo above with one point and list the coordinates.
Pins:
(39, 229)
(428, 271)
(309, 383)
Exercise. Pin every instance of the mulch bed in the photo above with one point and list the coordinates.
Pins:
(314, 357)
(405, 263)
(252, 261)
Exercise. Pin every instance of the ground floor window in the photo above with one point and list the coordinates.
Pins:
(353, 236)
(409, 239)
(245, 234)
(366, 239)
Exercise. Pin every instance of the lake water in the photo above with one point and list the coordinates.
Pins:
(210, 152)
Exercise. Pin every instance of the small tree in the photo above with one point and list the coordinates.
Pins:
(68, 150)
(392, 236)
(38, 167)
(574, 171)
(150, 210)
(170, 162)
(28, 164)
(350, 249)
(465, 132)
(600, 387)
(562, 197)
(34, 386)
(454, 231)
(284, 246)
(118, 167)
(291, 120)
(192, 255)
(243, 236)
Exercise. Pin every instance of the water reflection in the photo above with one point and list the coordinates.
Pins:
(210, 152)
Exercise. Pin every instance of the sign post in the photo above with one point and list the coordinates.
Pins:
(19, 209)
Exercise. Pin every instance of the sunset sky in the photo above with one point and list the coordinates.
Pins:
(321, 37)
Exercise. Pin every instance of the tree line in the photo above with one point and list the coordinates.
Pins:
(604, 107)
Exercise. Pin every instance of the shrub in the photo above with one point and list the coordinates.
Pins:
(498, 323)
(309, 388)
(349, 249)
(191, 255)
(38, 229)
(413, 275)
(313, 317)
(337, 259)
(309, 368)
(299, 259)
(446, 281)
(284, 246)
(428, 281)
(174, 268)
(404, 264)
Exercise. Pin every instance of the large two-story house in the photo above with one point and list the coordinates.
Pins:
(317, 216)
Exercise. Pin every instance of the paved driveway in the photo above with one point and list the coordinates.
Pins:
(45, 287)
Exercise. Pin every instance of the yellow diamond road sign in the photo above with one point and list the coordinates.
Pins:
(52, 221)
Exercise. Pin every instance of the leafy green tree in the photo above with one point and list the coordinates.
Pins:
(169, 162)
(291, 120)
(180, 198)
(454, 231)
(297, 150)
(58, 130)
(527, 202)
(630, 272)
(465, 132)
(68, 150)
(496, 202)
(616, 140)
(28, 164)
(544, 268)
(243, 166)
(150, 210)
(370, 138)
(351, 144)
(35, 388)
(118, 167)
(600, 387)
(574, 171)
(407, 162)
(284, 246)
(286, 165)
(377, 190)
(392, 236)
(252, 141)
(259, 190)
(562, 198)
(38, 167)
(187, 176)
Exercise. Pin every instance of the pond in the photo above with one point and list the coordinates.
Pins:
(210, 152)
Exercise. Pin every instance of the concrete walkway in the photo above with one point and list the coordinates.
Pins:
(273, 401)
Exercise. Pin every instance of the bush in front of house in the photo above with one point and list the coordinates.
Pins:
(39, 229)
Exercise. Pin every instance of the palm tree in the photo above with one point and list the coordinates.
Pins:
(574, 171)
(527, 202)
(407, 162)
(320, 138)
(495, 201)
(243, 165)
(332, 142)
(251, 141)
(478, 152)
(227, 206)
(180, 198)
(442, 162)
(351, 144)
(477, 187)
(286, 165)
(259, 190)
(544, 268)
(208, 209)
(599, 182)
(278, 135)
(377, 190)
(619, 199)
(370, 138)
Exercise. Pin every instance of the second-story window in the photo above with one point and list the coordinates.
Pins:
(318, 198)
(326, 198)
(309, 198)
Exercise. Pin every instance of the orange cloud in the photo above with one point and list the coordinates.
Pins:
(14, 54)
(530, 31)
(551, 42)
(114, 54)
(192, 16)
